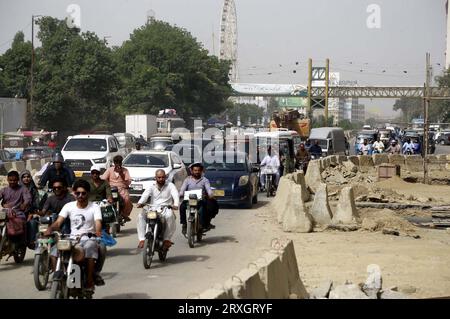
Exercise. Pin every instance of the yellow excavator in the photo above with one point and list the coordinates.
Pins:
(291, 119)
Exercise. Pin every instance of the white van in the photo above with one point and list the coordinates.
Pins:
(81, 152)
(331, 140)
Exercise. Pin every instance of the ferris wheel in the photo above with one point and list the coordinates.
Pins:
(228, 37)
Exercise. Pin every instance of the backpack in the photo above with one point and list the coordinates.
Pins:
(15, 225)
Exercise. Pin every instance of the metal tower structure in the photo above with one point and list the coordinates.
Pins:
(228, 37)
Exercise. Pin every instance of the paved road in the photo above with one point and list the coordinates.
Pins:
(236, 241)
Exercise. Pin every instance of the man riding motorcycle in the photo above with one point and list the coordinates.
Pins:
(302, 158)
(365, 148)
(100, 189)
(408, 147)
(378, 146)
(394, 148)
(193, 182)
(315, 150)
(272, 160)
(85, 218)
(57, 169)
(162, 193)
(119, 177)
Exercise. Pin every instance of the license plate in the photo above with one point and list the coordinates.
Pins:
(137, 187)
(219, 192)
(78, 174)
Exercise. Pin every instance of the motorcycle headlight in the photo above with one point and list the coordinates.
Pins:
(151, 215)
(63, 244)
(100, 160)
(243, 180)
(2, 215)
(43, 228)
(193, 202)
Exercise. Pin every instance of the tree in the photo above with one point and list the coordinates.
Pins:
(75, 79)
(246, 112)
(15, 64)
(439, 111)
(163, 66)
(410, 107)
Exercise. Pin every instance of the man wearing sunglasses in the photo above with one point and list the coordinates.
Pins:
(54, 204)
(85, 218)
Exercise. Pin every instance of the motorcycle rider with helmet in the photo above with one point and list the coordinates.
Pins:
(55, 170)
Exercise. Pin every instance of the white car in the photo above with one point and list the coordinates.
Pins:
(81, 152)
(142, 166)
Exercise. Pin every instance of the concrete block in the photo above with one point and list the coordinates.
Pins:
(414, 163)
(354, 159)
(380, 159)
(252, 285)
(350, 166)
(346, 212)
(35, 164)
(213, 293)
(299, 179)
(350, 291)
(20, 166)
(373, 283)
(313, 175)
(333, 160)
(391, 294)
(397, 159)
(234, 288)
(322, 291)
(296, 218)
(447, 166)
(320, 210)
(341, 159)
(28, 165)
(9, 166)
(325, 163)
(365, 160)
(274, 276)
(289, 261)
(279, 203)
(43, 161)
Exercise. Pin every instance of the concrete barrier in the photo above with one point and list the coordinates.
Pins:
(346, 212)
(250, 284)
(320, 210)
(213, 293)
(325, 163)
(299, 179)
(290, 265)
(447, 166)
(9, 166)
(397, 159)
(279, 203)
(20, 166)
(296, 218)
(379, 159)
(333, 160)
(313, 175)
(273, 275)
(414, 163)
(354, 159)
(35, 164)
(365, 160)
(341, 159)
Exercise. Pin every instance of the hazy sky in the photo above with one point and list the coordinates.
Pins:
(275, 34)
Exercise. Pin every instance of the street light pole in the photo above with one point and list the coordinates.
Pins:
(32, 69)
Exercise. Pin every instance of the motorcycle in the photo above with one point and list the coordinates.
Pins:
(302, 165)
(41, 265)
(194, 228)
(270, 172)
(117, 205)
(12, 241)
(154, 231)
(70, 276)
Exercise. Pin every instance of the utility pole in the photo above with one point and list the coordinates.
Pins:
(309, 102)
(426, 105)
(327, 83)
(30, 116)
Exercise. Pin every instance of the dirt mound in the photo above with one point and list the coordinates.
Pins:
(386, 219)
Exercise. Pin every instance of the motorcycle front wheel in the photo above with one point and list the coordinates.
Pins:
(147, 253)
(41, 270)
(59, 290)
(191, 234)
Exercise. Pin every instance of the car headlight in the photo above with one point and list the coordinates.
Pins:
(243, 180)
(100, 160)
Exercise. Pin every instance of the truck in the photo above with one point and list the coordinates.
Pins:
(141, 124)
(331, 139)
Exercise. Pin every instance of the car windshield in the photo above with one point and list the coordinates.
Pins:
(86, 145)
(159, 145)
(227, 164)
(146, 160)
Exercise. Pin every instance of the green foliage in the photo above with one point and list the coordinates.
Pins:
(439, 111)
(320, 121)
(15, 64)
(245, 111)
(163, 66)
(410, 107)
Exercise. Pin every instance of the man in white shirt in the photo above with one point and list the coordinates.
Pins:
(85, 218)
(365, 148)
(378, 146)
(162, 193)
(272, 160)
